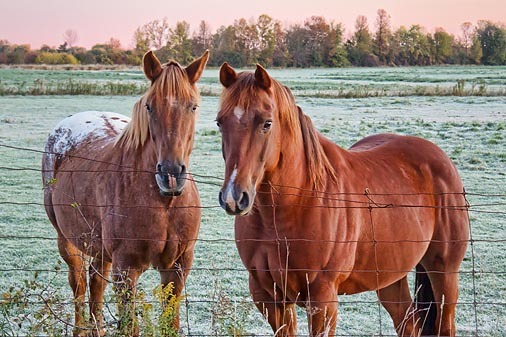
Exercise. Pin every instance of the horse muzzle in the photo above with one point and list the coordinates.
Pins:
(170, 178)
(236, 201)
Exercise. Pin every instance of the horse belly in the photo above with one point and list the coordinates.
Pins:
(78, 212)
(393, 242)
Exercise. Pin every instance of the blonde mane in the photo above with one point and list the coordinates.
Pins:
(173, 84)
(292, 118)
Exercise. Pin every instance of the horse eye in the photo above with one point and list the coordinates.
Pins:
(148, 108)
(218, 124)
(194, 108)
(267, 125)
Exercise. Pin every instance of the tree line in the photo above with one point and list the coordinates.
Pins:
(317, 42)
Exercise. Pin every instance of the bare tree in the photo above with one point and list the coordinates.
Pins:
(70, 37)
(157, 32)
(202, 39)
(114, 43)
(467, 36)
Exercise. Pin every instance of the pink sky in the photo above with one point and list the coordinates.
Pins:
(44, 22)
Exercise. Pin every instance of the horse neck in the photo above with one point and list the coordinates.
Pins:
(292, 164)
(289, 174)
(291, 178)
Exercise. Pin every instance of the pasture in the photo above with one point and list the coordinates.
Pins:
(461, 109)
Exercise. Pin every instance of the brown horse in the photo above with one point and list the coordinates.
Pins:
(314, 220)
(114, 192)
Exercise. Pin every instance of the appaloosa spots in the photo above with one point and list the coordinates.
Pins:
(83, 126)
(78, 128)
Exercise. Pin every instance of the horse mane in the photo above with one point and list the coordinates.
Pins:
(172, 83)
(291, 116)
(136, 132)
(317, 159)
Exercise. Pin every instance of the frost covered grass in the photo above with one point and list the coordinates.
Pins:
(71, 87)
(318, 83)
(472, 130)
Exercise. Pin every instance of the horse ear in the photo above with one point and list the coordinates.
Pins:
(262, 79)
(227, 75)
(195, 69)
(152, 66)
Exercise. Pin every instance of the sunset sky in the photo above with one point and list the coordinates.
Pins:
(37, 22)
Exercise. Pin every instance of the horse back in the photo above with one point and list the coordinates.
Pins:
(404, 167)
(405, 154)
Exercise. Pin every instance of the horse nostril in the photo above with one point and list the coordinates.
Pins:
(243, 201)
(220, 199)
(183, 169)
(159, 168)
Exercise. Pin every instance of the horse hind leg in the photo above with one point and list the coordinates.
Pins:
(440, 318)
(396, 299)
(99, 273)
(439, 270)
(77, 280)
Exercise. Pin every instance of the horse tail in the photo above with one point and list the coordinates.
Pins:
(424, 301)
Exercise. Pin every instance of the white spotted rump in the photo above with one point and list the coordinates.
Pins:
(75, 129)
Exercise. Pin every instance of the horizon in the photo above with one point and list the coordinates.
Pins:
(45, 24)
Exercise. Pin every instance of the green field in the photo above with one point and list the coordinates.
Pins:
(468, 122)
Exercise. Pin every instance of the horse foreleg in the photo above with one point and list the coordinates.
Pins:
(77, 280)
(397, 300)
(322, 308)
(125, 281)
(176, 274)
(281, 315)
(99, 273)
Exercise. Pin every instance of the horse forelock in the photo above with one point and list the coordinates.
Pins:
(243, 92)
(172, 85)
(237, 95)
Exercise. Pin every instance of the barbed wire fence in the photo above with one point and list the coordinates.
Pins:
(218, 302)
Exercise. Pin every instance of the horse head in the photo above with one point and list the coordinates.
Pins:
(172, 104)
(251, 135)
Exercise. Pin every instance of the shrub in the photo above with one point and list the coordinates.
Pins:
(55, 58)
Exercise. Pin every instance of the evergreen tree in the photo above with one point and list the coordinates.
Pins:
(360, 46)
(382, 37)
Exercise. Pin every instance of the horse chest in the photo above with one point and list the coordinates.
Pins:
(287, 265)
